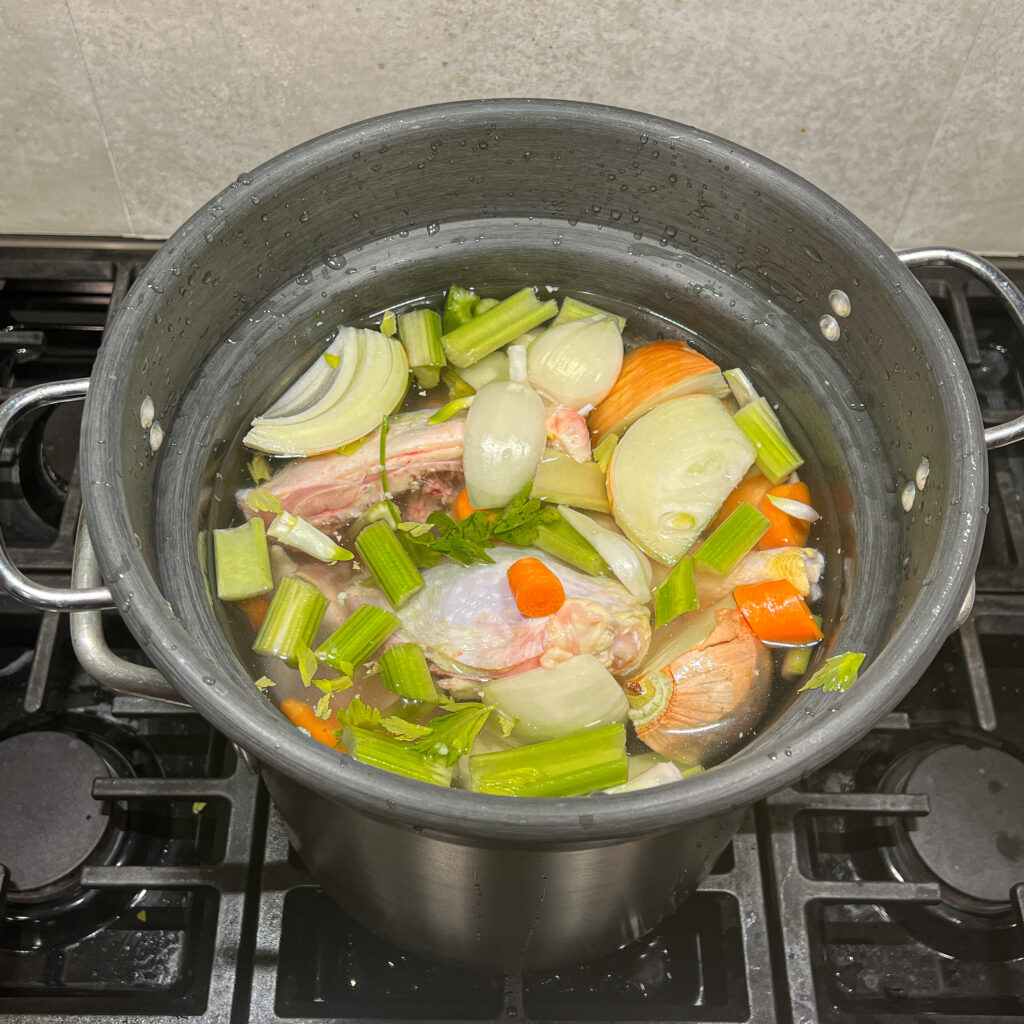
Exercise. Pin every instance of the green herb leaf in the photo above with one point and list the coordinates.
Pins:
(264, 683)
(308, 665)
(405, 730)
(361, 715)
(259, 469)
(453, 734)
(332, 685)
(323, 707)
(389, 324)
(259, 499)
(837, 675)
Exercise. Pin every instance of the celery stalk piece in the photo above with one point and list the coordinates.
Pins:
(795, 662)
(394, 756)
(722, 551)
(403, 670)
(505, 322)
(352, 643)
(602, 454)
(657, 775)
(291, 621)
(776, 456)
(581, 763)
(420, 333)
(295, 532)
(395, 572)
(459, 307)
(452, 735)
(739, 384)
(574, 309)
(485, 304)
(676, 594)
(562, 480)
(242, 561)
(568, 545)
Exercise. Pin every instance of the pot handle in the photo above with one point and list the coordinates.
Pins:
(1012, 430)
(11, 578)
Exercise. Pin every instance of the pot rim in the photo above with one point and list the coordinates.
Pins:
(747, 777)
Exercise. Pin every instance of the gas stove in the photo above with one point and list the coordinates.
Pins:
(145, 876)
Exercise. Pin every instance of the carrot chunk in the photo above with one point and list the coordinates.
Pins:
(462, 508)
(777, 613)
(751, 489)
(537, 590)
(255, 609)
(784, 530)
(302, 716)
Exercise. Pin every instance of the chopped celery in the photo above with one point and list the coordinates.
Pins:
(295, 532)
(581, 763)
(739, 384)
(795, 661)
(403, 669)
(452, 735)
(383, 554)
(676, 594)
(492, 367)
(485, 304)
(420, 333)
(776, 456)
(657, 775)
(567, 544)
(259, 469)
(446, 412)
(358, 637)
(722, 551)
(603, 451)
(260, 499)
(837, 675)
(574, 309)
(242, 561)
(388, 324)
(520, 312)
(459, 306)
(564, 481)
(291, 621)
(457, 386)
(394, 755)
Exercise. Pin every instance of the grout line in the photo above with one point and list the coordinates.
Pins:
(99, 115)
(912, 191)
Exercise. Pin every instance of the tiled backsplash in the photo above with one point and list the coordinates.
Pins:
(122, 118)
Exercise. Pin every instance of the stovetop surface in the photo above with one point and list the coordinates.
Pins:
(151, 880)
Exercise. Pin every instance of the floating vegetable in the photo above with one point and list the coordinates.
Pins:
(657, 775)
(242, 561)
(482, 372)
(776, 612)
(803, 567)
(291, 621)
(676, 594)
(395, 572)
(576, 363)
(837, 675)
(302, 716)
(355, 640)
(776, 456)
(575, 309)
(537, 590)
(295, 532)
(564, 481)
(629, 565)
(566, 544)
(420, 333)
(476, 338)
(752, 489)
(785, 528)
(404, 670)
(722, 551)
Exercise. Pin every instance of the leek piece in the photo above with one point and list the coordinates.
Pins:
(676, 594)
(388, 324)
(358, 637)
(837, 675)
(568, 545)
(776, 456)
(394, 755)
(459, 307)
(603, 451)
(295, 532)
(457, 386)
(722, 551)
(739, 384)
(383, 554)
(564, 481)
(420, 333)
(485, 304)
(242, 561)
(581, 763)
(520, 312)
(574, 309)
(446, 412)
(291, 621)
(403, 670)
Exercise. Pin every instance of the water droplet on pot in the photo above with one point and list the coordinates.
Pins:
(829, 327)
(156, 436)
(432, 229)
(908, 495)
(303, 217)
(147, 413)
(921, 476)
(244, 179)
(840, 302)
(335, 262)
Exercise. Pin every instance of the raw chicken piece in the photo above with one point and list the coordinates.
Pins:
(567, 431)
(331, 490)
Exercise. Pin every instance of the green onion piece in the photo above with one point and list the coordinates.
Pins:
(604, 449)
(505, 322)
(457, 386)
(739, 384)
(393, 755)
(837, 675)
(574, 309)
(291, 621)
(562, 480)
(485, 304)
(676, 594)
(776, 456)
(446, 412)
(581, 763)
(295, 532)
(795, 661)
(358, 637)
(259, 499)
(403, 670)
(452, 735)
(568, 545)
(722, 551)
(420, 334)
(459, 306)
(242, 561)
(388, 324)
(383, 554)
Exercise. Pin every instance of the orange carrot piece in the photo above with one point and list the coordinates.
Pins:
(785, 530)
(302, 716)
(649, 373)
(777, 613)
(255, 609)
(537, 590)
(462, 508)
(751, 490)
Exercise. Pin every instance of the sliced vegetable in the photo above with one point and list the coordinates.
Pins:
(576, 363)
(603, 451)
(462, 508)
(394, 755)
(739, 384)
(652, 374)
(471, 341)
(594, 759)
(575, 309)
(403, 670)
(837, 675)
(795, 662)
(504, 437)
(724, 549)
(291, 621)
(242, 561)
(457, 386)
(388, 323)
(803, 567)
(485, 304)
(302, 716)
(564, 481)
(255, 609)
(630, 566)
(420, 333)
(355, 640)
(492, 367)
(317, 381)
(776, 456)
(566, 544)
(459, 306)
(752, 489)
(550, 703)
(452, 735)
(295, 532)
(676, 594)
(777, 613)
(383, 554)
(657, 775)
(785, 530)
(262, 499)
(671, 471)
(446, 412)
(538, 592)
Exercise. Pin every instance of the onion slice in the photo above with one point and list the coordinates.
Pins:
(630, 565)
(796, 509)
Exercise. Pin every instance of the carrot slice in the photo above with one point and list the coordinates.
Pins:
(255, 609)
(537, 590)
(785, 530)
(751, 489)
(777, 613)
(462, 508)
(651, 373)
(302, 716)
